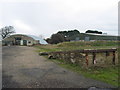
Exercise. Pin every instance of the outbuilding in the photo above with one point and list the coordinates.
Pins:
(22, 39)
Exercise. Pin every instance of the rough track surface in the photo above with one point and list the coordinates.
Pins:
(24, 68)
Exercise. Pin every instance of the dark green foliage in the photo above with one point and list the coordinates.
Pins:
(56, 38)
(62, 36)
(69, 34)
(92, 31)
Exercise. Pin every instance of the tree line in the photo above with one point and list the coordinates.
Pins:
(91, 31)
(60, 36)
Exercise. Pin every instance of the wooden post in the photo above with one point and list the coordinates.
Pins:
(94, 57)
(113, 58)
(87, 59)
(107, 53)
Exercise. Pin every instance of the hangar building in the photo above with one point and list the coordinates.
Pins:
(22, 39)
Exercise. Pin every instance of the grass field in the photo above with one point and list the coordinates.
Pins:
(78, 46)
(106, 74)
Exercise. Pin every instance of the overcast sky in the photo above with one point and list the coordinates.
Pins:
(45, 17)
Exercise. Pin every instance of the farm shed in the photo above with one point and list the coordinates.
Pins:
(22, 39)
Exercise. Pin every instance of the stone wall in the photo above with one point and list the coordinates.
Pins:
(88, 57)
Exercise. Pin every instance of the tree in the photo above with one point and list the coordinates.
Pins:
(57, 38)
(91, 31)
(48, 40)
(62, 36)
(68, 34)
(6, 31)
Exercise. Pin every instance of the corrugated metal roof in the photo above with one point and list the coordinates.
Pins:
(41, 41)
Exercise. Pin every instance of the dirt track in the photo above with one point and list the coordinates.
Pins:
(24, 68)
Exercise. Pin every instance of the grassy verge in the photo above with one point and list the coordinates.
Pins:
(107, 74)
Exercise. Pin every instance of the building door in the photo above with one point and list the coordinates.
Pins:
(17, 40)
(25, 42)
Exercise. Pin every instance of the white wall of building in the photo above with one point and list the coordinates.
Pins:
(29, 43)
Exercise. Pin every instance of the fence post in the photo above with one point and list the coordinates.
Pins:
(113, 58)
(86, 59)
(94, 58)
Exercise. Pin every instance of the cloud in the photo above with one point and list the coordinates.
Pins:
(20, 25)
(48, 16)
(1, 25)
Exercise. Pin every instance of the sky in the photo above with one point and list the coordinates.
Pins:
(45, 17)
